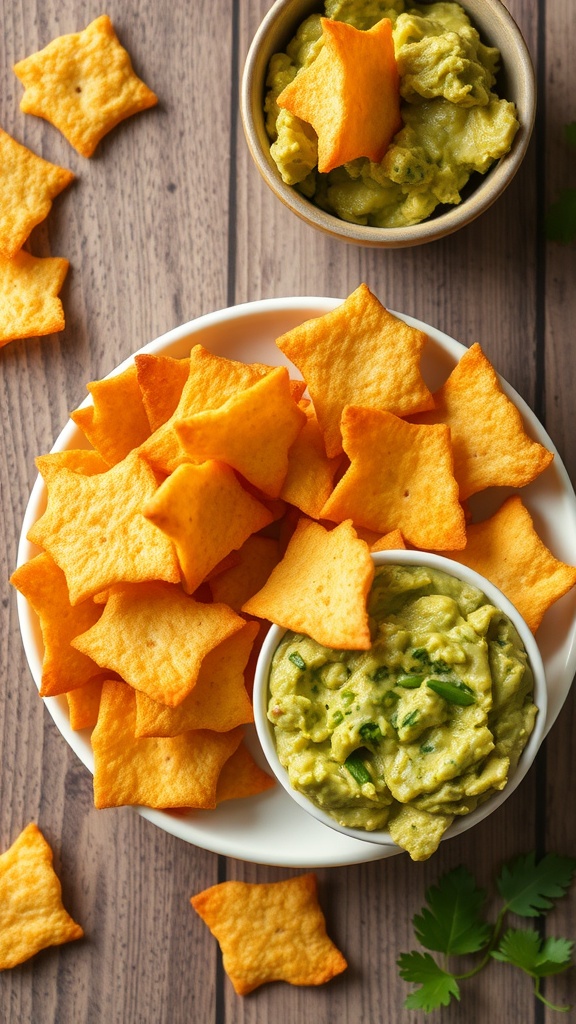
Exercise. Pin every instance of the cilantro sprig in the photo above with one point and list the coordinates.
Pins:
(453, 923)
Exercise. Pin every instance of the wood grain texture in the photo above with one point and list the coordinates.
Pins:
(170, 220)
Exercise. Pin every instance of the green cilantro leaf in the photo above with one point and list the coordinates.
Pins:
(561, 218)
(529, 888)
(436, 985)
(453, 922)
(524, 949)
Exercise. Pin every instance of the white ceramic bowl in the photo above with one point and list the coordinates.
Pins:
(265, 728)
(515, 82)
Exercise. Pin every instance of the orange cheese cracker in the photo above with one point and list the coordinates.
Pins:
(178, 771)
(28, 184)
(241, 777)
(219, 700)
(320, 587)
(207, 514)
(350, 94)
(256, 559)
(155, 637)
(270, 931)
(358, 354)
(507, 550)
(44, 586)
(116, 422)
(29, 303)
(491, 446)
(84, 704)
(32, 916)
(84, 84)
(95, 531)
(400, 478)
(252, 432)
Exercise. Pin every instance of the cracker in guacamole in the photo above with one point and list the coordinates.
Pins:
(454, 124)
(417, 730)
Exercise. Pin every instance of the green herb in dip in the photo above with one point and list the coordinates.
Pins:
(454, 122)
(420, 728)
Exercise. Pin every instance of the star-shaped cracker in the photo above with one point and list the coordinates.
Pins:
(256, 559)
(32, 916)
(241, 777)
(116, 422)
(155, 637)
(161, 380)
(176, 771)
(44, 587)
(349, 94)
(270, 931)
(207, 513)
(83, 704)
(491, 446)
(358, 354)
(95, 531)
(84, 84)
(29, 303)
(219, 700)
(252, 432)
(310, 475)
(211, 381)
(28, 185)
(320, 587)
(400, 478)
(507, 550)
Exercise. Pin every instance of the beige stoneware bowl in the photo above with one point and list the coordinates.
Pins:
(515, 82)
(382, 837)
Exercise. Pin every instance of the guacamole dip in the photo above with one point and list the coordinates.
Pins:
(454, 123)
(420, 728)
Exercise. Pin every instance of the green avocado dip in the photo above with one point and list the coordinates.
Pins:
(454, 123)
(423, 726)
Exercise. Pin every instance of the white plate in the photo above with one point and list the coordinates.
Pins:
(271, 828)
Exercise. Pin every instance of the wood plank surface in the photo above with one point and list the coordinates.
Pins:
(170, 220)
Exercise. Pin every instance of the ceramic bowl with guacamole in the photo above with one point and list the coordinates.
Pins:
(461, 83)
(424, 734)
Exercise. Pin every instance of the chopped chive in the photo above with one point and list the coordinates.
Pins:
(409, 682)
(370, 731)
(427, 748)
(455, 692)
(337, 717)
(421, 654)
(297, 660)
(357, 769)
(381, 673)
(347, 697)
(411, 718)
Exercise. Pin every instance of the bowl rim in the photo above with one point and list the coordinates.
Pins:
(265, 729)
(484, 195)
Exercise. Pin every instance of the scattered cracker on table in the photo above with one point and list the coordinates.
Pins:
(29, 303)
(32, 916)
(84, 84)
(28, 184)
(271, 931)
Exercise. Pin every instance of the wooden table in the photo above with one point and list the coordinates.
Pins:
(169, 221)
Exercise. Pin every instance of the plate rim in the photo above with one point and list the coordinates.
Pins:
(352, 851)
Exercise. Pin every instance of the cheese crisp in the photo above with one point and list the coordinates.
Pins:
(83, 84)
